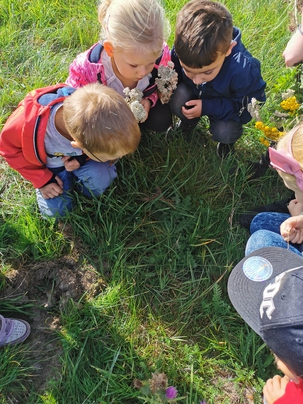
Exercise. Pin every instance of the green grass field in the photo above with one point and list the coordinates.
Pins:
(160, 243)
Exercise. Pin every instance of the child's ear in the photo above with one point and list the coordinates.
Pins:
(76, 145)
(109, 49)
(232, 44)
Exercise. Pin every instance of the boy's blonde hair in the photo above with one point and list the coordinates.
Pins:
(133, 25)
(98, 118)
(296, 148)
(203, 29)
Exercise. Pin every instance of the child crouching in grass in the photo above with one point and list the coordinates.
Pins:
(266, 290)
(131, 50)
(86, 132)
(218, 76)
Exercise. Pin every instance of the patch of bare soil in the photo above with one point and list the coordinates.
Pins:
(48, 287)
(232, 391)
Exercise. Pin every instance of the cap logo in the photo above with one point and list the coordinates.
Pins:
(269, 293)
(257, 269)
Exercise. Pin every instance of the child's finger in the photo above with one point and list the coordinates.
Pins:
(285, 231)
(59, 181)
(298, 238)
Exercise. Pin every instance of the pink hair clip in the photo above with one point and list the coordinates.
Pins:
(284, 161)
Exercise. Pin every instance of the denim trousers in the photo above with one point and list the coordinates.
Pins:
(222, 131)
(91, 179)
(265, 232)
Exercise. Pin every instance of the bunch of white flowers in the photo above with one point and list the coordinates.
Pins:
(166, 81)
(133, 98)
(254, 109)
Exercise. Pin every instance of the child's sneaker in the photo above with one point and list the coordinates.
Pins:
(185, 129)
(13, 331)
(224, 149)
(245, 219)
(259, 169)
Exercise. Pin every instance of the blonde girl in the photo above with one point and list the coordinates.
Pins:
(281, 229)
(131, 49)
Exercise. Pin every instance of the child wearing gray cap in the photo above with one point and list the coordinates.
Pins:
(266, 290)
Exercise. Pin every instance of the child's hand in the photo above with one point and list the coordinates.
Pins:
(53, 189)
(146, 105)
(292, 229)
(70, 165)
(275, 388)
(293, 53)
(192, 109)
(295, 207)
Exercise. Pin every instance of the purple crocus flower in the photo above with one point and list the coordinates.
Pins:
(171, 392)
(203, 402)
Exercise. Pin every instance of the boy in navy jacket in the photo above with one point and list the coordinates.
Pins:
(218, 77)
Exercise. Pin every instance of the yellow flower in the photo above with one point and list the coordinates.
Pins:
(290, 104)
(259, 125)
(264, 141)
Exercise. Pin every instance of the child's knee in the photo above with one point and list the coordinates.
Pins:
(181, 95)
(98, 180)
(225, 131)
(258, 222)
(259, 239)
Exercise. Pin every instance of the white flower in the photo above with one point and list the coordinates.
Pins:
(281, 114)
(166, 81)
(288, 93)
(138, 110)
(133, 98)
(254, 109)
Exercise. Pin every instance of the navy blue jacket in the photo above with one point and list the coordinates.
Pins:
(227, 95)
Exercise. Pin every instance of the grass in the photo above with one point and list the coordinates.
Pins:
(163, 239)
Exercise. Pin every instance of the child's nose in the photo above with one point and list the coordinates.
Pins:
(142, 71)
(198, 79)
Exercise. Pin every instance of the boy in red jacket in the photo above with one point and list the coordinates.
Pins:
(86, 132)
(266, 290)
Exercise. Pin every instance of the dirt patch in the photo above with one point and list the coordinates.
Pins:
(295, 16)
(48, 287)
(234, 392)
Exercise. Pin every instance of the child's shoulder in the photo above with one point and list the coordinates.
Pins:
(91, 55)
(86, 67)
(240, 61)
(293, 394)
(239, 51)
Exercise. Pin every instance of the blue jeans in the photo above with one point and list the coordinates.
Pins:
(265, 232)
(222, 131)
(91, 179)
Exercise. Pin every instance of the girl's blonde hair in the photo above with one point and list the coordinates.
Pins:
(133, 24)
(295, 136)
(100, 120)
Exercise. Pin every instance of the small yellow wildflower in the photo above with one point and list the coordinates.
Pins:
(259, 125)
(270, 133)
(290, 104)
(264, 141)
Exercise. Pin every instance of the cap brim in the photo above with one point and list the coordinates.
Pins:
(246, 294)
